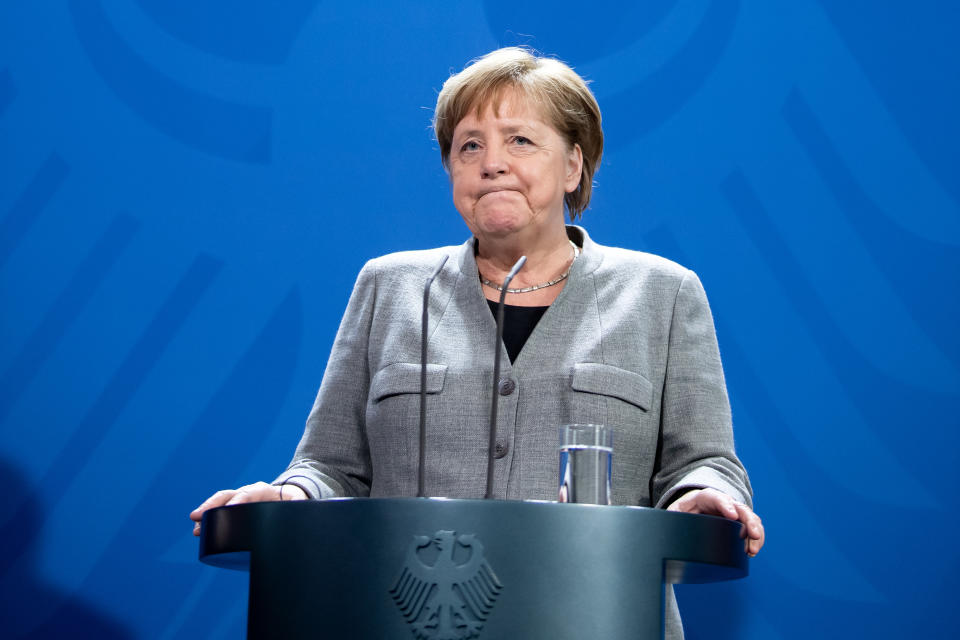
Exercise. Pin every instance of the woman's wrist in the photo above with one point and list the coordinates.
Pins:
(289, 489)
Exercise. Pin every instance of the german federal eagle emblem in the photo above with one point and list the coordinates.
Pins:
(446, 589)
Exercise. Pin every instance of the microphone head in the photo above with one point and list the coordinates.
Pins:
(516, 268)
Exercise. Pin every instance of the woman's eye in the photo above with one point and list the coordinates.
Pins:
(470, 146)
(521, 140)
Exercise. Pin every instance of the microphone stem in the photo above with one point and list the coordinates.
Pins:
(491, 448)
(421, 464)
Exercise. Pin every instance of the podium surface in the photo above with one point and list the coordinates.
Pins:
(438, 568)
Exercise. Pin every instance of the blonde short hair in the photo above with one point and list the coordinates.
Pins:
(563, 97)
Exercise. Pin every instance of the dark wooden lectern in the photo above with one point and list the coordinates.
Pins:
(435, 568)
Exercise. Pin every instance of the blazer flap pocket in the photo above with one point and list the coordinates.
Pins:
(404, 377)
(607, 380)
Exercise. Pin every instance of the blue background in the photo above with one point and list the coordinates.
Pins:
(187, 190)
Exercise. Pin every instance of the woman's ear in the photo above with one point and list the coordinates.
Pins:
(574, 168)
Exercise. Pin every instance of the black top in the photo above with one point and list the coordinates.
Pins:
(518, 324)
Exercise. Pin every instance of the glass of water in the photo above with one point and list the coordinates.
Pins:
(586, 463)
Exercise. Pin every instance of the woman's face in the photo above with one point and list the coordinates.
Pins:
(510, 171)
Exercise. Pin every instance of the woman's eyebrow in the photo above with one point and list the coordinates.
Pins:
(469, 133)
(510, 127)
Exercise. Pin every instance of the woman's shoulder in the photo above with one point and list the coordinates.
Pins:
(627, 262)
(408, 266)
(617, 256)
(418, 259)
(638, 275)
(619, 262)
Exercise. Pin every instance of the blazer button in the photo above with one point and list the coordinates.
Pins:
(500, 449)
(506, 386)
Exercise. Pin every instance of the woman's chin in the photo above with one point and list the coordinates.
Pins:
(499, 224)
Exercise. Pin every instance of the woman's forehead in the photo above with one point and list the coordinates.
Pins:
(507, 104)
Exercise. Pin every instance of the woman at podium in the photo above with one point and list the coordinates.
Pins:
(593, 334)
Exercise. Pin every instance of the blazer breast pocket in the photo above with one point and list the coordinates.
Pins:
(403, 378)
(617, 397)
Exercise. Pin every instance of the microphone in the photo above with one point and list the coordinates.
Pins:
(423, 378)
(496, 375)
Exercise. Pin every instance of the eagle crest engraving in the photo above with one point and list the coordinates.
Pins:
(446, 589)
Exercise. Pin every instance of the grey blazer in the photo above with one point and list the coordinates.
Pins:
(629, 343)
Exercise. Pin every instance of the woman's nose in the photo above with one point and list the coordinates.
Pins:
(494, 162)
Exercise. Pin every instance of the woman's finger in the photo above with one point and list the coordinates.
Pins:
(753, 531)
(218, 499)
(751, 521)
(715, 503)
(257, 492)
(686, 503)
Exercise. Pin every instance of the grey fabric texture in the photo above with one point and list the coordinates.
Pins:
(629, 343)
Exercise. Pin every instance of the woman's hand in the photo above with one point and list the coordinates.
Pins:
(256, 492)
(715, 503)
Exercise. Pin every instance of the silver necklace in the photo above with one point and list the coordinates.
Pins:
(559, 278)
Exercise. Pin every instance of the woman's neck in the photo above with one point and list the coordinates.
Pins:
(547, 258)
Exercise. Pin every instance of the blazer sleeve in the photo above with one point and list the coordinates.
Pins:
(696, 447)
(333, 458)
